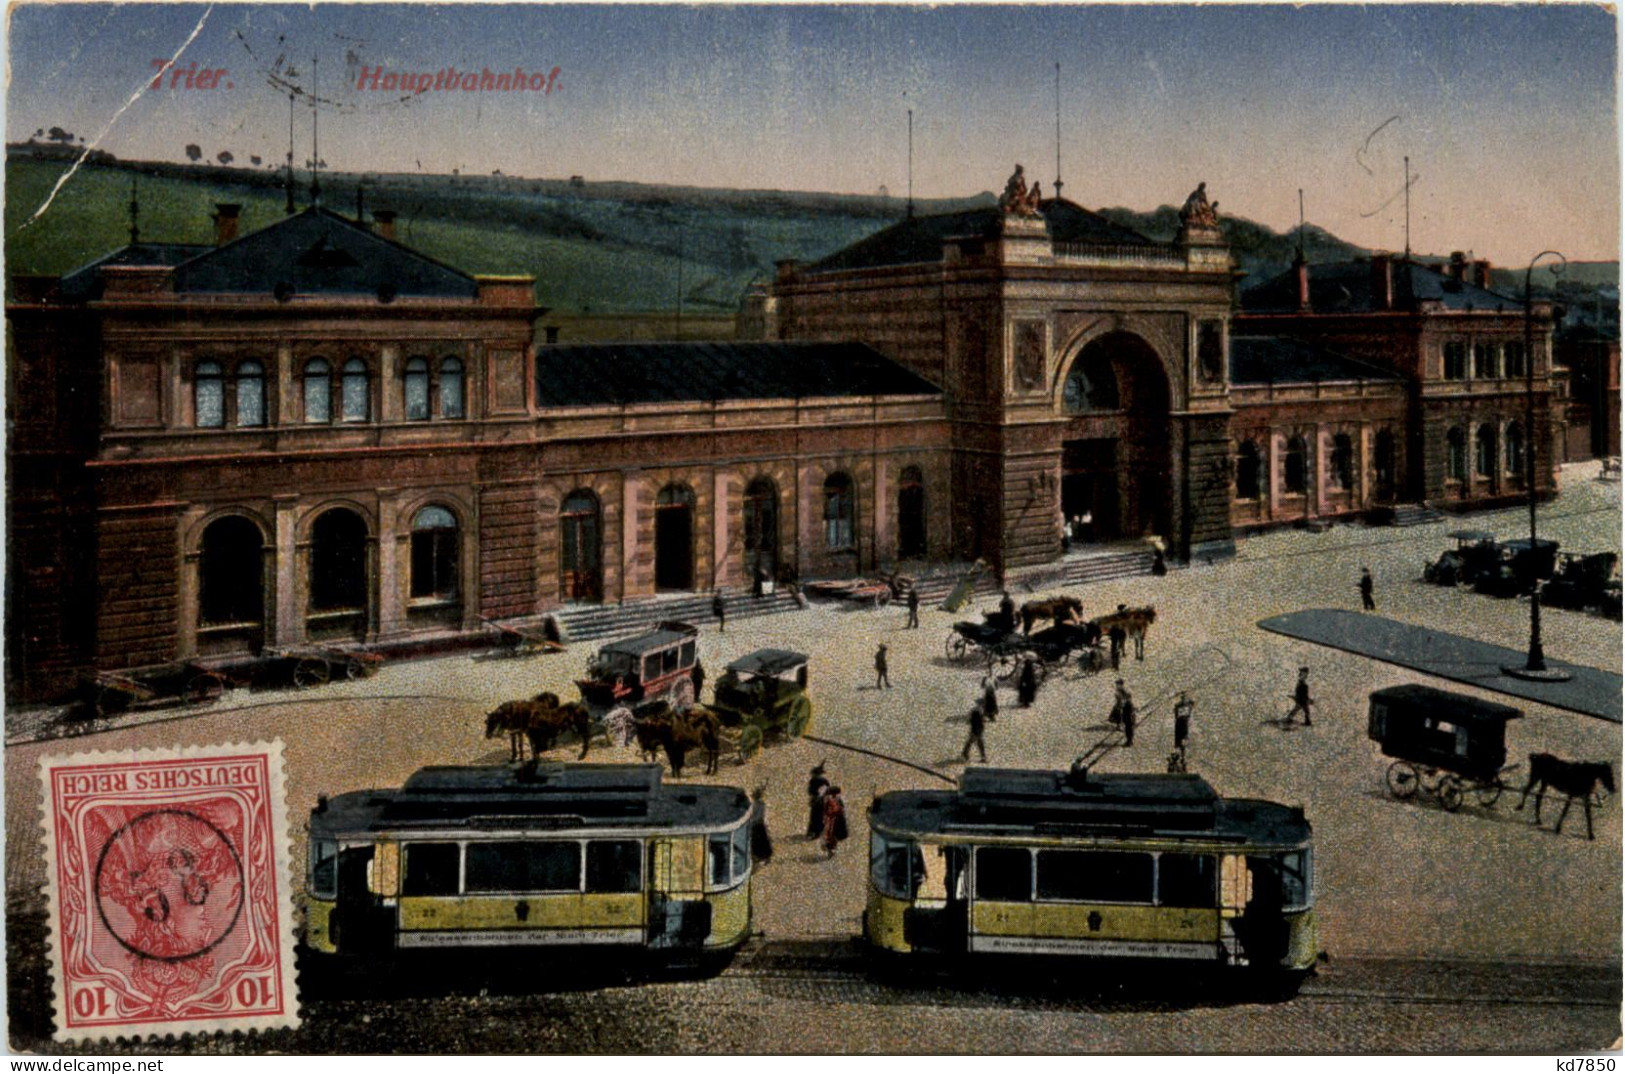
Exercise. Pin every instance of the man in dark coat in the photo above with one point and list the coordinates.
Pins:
(1007, 611)
(881, 678)
(1182, 720)
(816, 786)
(761, 844)
(913, 609)
(1366, 587)
(1027, 686)
(978, 724)
(698, 675)
(719, 608)
(1301, 699)
(1118, 637)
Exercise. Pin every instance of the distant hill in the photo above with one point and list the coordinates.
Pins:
(596, 248)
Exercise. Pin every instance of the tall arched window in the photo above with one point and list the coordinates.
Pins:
(840, 512)
(338, 562)
(1455, 454)
(434, 554)
(1514, 452)
(674, 537)
(1486, 451)
(209, 395)
(762, 527)
(1297, 466)
(356, 391)
(1342, 461)
(1384, 463)
(451, 388)
(1248, 466)
(580, 574)
(318, 391)
(416, 380)
(231, 583)
(250, 393)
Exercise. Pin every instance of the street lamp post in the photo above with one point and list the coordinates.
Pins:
(1535, 664)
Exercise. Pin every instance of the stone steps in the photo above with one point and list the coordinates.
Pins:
(1414, 514)
(586, 622)
(1084, 570)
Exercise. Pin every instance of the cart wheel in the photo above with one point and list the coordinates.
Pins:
(1007, 665)
(205, 686)
(799, 717)
(1450, 793)
(682, 694)
(750, 740)
(1489, 793)
(1402, 780)
(956, 647)
(111, 700)
(308, 673)
(354, 668)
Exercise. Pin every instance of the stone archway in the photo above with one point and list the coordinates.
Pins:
(1116, 451)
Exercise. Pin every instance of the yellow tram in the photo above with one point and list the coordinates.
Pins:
(599, 856)
(1123, 867)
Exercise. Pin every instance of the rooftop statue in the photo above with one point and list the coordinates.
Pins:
(1198, 212)
(1017, 200)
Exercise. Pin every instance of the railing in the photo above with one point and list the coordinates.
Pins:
(1119, 251)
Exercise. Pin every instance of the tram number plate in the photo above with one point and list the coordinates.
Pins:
(1033, 945)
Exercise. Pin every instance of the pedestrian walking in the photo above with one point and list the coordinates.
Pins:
(1301, 699)
(913, 609)
(881, 678)
(1182, 720)
(990, 697)
(1120, 699)
(1027, 685)
(698, 675)
(1366, 587)
(816, 786)
(1117, 636)
(978, 724)
(834, 821)
(1131, 718)
(719, 608)
(1159, 565)
(761, 844)
(1007, 611)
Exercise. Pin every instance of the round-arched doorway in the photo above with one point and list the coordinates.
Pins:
(1116, 471)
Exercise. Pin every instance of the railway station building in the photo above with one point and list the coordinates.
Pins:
(313, 434)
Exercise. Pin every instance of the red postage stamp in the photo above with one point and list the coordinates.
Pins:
(168, 890)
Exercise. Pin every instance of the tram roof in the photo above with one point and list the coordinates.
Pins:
(558, 796)
(1021, 802)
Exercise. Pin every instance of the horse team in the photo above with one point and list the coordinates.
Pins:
(656, 727)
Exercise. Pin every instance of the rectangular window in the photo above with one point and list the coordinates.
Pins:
(688, 655)
(417, 396)
(1004, 874)
(431, 869)
(614, 866)
(1187, 880)
(1512, 353)
(888, 866)
(324, 861)
(1484, 363)
(651, 667)
(318, 399)
(451, 394)
(741, 844)
(523, 866)
(1094, 876)
(1455, 360)
(720, 850)
(1297, 881)
(668, 660)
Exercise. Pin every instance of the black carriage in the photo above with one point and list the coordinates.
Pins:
(1068, 644)
(1517, 567)
(1475, 555)
(1581, 581)
(1444, 744)
(1001, 648)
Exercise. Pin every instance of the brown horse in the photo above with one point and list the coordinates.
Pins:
(512, 718)
(1060, 609)
(678, 733)
(1576, 779)
(1134, 621)
(549, 723)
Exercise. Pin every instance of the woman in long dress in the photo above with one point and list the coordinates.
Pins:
(816, 786)
(834, 820)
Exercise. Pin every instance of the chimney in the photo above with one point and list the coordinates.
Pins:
(1457, 269)
(1301, 267)
(383, 222)
(225, 222)
(1481, 274)
(1382, 282)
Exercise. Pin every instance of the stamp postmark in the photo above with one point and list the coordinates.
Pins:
(168, 889)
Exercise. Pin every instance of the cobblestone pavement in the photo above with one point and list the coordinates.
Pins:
(1400, 879)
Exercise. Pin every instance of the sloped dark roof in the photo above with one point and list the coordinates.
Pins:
(919, 239)
(1283, 360)
(320, 252)
(84, 283)
(1345, 287)
(622, 373)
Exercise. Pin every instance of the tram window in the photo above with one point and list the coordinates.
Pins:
(1094, 876)
(527, 866)
(324, 861)
(431, 869)
(1296, 880)
(720, 850)
(741, 844)
(1004, 874)
(614, 866)
(1186, 880)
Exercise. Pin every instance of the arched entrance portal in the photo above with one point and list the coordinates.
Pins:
(338, 577)
(762, 529)
(674, 538)
(1116, 478)
(231, 587)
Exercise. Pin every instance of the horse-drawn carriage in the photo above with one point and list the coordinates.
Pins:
(1517, 568)
(658, 664)
(1068, 644)
(1582, 581)
(763, 693)
(1475, 555)
(1444, 744)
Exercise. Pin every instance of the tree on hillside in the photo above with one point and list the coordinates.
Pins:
(193, 153)
(225, 157)
(57, 134)
(254, 160)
